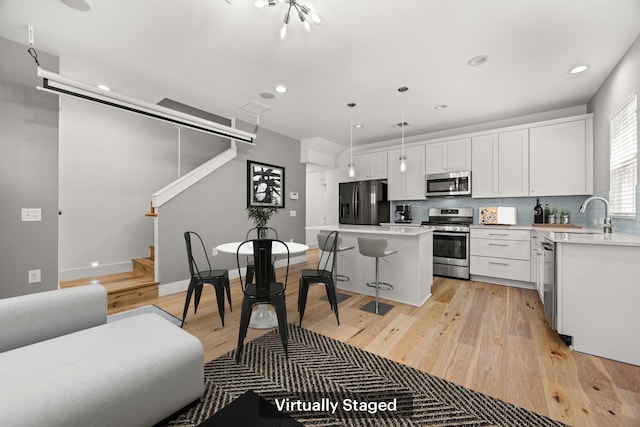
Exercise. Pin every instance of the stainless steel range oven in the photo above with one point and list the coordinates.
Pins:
(450, 241)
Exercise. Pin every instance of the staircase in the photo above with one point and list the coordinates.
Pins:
(126, 290)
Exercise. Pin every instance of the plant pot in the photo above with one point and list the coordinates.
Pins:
(551, 219)
(565, 219)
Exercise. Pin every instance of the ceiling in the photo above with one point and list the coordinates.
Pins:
(217, 55)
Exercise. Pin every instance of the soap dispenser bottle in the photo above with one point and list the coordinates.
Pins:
(538, 215)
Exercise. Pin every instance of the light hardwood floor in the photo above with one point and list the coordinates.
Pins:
(491, 339)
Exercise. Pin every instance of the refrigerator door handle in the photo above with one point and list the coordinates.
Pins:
(356, 202)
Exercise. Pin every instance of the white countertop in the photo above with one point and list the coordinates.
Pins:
(575, 235)
(396, 229)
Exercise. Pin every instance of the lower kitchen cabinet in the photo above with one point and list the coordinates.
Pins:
(501, 255)
(598, 299)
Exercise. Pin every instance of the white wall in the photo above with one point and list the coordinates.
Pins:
(111, 161)
(322, 200)
(623, 80)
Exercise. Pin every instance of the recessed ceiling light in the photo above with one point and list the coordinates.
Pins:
(267, 95)
(440, 107)
(104, 87)
(358, 126)
(79, 5)
(478, 60)
(579, 69)
(281, 89)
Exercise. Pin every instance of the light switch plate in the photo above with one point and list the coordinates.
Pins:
(31, 214)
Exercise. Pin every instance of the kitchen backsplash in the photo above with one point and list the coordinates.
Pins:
(524, 205)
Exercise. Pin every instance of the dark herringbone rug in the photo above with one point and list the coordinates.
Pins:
(322, 368)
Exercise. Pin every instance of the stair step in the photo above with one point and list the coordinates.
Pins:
(152, 252)
(144, 266)
(124, 290)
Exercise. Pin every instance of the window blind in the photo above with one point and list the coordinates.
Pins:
(623, 165)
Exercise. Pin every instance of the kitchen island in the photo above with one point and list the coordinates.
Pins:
(409, 271)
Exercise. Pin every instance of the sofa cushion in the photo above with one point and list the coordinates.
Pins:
(134, 372)
(28, 319)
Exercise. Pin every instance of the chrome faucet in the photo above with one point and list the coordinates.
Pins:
(607, 220)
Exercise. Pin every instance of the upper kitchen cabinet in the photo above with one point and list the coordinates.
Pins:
(407, 185)
(561, 159)
(371, 166)
(500, 164)
(448, 156)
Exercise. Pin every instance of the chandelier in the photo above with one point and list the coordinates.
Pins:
(304, 12)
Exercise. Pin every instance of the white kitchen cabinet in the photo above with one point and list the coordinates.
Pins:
(558, 159)
(500, 164)
(371, 166)
(448, 156)
(598, 295)
(409, 185)
(500, 253)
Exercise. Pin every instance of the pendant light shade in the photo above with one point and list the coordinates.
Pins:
(352, 166)
(403, 158)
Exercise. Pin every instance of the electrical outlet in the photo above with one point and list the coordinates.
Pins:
(35, 276)
(292, 213)
(214, 251)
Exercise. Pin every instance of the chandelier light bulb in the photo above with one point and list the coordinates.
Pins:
(306, 15)
(283, 32)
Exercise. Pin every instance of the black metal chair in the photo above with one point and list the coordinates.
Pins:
(265, 290)
(199, 277)
(324, 273)
(259, 233)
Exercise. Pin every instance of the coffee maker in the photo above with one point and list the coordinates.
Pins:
(403, 214)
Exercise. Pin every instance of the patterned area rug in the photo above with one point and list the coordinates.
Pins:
(321, 371)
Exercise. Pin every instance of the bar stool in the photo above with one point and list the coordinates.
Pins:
(376, 248)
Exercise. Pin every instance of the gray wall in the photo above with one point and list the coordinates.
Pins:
(215, 207)
(619, 85)
(111, 162)
(28, 172)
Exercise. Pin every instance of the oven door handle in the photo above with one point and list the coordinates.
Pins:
(450, 233)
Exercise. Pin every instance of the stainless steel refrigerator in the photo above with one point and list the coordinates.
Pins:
(363, 202)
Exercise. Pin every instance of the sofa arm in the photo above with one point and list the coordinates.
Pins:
(37, 317)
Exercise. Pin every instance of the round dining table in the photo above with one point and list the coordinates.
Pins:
(263, 318)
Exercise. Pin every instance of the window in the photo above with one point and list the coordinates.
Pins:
(623, 164)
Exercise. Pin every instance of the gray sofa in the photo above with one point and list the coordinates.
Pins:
(61, 364)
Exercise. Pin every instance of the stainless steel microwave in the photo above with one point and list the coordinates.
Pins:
(448, 184)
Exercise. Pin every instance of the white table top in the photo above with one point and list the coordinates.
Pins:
(277, 249)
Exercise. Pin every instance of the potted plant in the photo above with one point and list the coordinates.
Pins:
(565, 217)
(551, 218)
(260, 215)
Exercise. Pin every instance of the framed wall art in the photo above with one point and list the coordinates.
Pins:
(265, 184)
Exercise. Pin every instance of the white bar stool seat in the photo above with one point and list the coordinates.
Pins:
(376, 248)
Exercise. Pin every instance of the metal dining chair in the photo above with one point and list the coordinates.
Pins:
(323, 273)
(199, 277)
(265, 290)
(259, 233)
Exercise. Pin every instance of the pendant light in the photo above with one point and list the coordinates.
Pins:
(403, 158)
(352, 166)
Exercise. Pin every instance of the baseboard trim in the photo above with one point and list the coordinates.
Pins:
(101, 270)
(183, 285)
